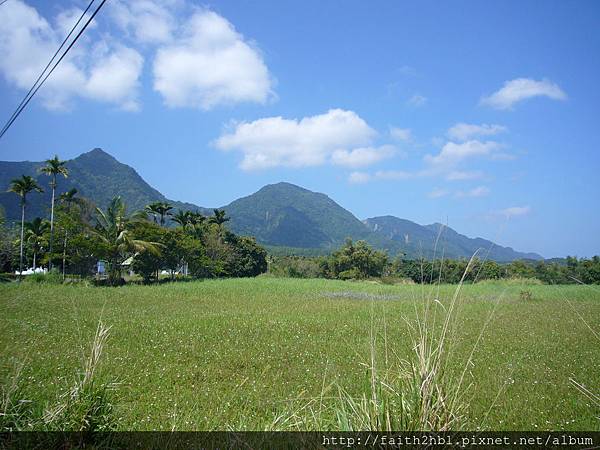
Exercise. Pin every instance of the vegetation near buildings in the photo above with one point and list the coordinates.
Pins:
(146, 242)
(22, 187)
(36, 236)
(117, 238)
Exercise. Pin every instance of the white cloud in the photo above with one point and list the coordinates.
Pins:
(437, 193)
(359, 177)
(417, 100)
(69, 17)
(394, 175)
(453, 153)
(105, 71)
(514, 211)
(310, 141)
(146, 21)
(479, 191)
(401, 134)
(460, 175)
(361, 157)
(115, 76)
(466, 131)
(521, 89)
(210, 64)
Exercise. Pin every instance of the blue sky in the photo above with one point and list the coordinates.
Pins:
(482, 115)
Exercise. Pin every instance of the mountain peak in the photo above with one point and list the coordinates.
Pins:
(96, 153)
(283, 185)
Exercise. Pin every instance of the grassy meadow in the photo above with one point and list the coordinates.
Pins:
(251, 353)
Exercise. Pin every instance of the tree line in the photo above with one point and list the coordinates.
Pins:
(357, 260)
(78, 235)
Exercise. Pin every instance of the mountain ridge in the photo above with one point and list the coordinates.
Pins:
(279, 215)
(445, 240)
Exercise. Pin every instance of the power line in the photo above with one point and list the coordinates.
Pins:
(30, 95)
(47, 65)
(3, 2)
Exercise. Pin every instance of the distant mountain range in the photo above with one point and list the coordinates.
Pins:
(282, 216)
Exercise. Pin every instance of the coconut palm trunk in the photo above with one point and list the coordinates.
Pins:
(22, 186)
(22, 238)
(64, 258)
(53, 186)
(53, 168)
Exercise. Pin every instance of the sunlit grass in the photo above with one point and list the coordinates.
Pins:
(234, 353)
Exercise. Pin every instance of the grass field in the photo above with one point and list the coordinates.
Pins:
(238, 353)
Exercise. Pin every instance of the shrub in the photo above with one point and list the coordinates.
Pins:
(525, 295)
(52, 277)
(295, 266)
(356, 261)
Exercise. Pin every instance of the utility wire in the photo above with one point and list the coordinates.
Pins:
(3, 2)
(28, 98)
(47, 65)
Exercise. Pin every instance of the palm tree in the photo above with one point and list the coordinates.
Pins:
(69, 200)
(114, 229)
(36, 235)
(220, 217)
(85, 208)
(197, 218)
(159, 209)
(164, 210)
(53, 168)
(69, 197)
(182, 217)
(23, 186)
(152, 209)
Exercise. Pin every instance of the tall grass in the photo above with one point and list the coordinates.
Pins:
(85, 407)
(415, 393)
(594, 398)
(14, 408)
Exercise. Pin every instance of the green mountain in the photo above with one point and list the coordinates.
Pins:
(437, 240)
(282, 216)
(96, 175)
(285, 215)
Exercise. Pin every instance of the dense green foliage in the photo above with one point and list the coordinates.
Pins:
(9, 246)
(238, 353)
(355, 261)
(198, 247)
(296, 266)
(359, 261)
(575, 271)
